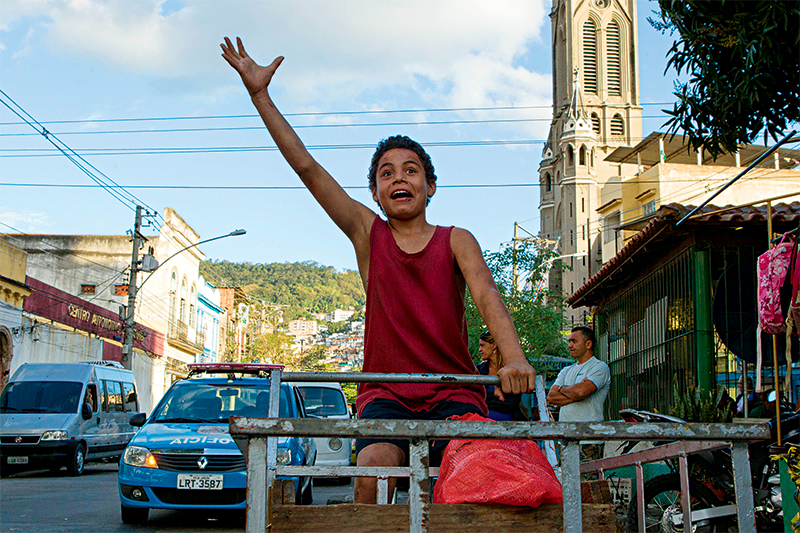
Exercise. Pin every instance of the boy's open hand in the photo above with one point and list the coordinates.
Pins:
(517, 377)
(255, 78)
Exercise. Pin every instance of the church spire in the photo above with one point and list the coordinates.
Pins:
(577, 109)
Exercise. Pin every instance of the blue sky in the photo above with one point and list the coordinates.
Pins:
(93, 63)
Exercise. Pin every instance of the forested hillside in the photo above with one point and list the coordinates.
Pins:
(307, 285)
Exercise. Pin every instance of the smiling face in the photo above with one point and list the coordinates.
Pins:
(401, 187)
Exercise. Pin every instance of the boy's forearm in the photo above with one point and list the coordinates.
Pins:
(288, 142)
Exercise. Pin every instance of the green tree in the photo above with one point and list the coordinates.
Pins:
(538, 317)
(275, 348)
(742, 59)
(306, 286)
(315, 360)
(337, 327)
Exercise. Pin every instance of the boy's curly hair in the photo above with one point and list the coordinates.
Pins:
(400, 141)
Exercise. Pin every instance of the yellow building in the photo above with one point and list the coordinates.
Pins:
(13, 291)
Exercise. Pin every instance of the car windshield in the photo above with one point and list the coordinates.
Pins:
(323, 401)
(204, 401)
(41, 397)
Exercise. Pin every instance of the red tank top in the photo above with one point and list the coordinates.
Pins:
(415, 322)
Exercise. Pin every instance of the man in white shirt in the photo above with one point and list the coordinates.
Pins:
(580, 390)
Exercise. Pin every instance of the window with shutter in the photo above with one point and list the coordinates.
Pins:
(590, 57)
(613, 60)
(617, 126)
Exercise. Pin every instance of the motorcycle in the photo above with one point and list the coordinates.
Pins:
(711, 484)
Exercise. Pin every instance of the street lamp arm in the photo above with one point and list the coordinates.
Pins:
(231, 234)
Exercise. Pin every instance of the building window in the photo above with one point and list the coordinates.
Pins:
(617, 126)
(570, 210)
(547, 184)
(182, 308)
(649, 208)
(173, 295)
(582, 155)
(570, 156)
(87, 289)
(192, 307)
(613, 55)
(595, 123)
(590, 56)
(609, 227)
(583, 205)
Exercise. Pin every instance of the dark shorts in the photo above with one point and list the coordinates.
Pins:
(393, 410)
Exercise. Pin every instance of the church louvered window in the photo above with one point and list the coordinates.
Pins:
(590, 57)
(617, 126)
(613, 60)
(595, 124)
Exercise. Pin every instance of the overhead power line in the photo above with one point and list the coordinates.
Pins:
(113, 188)
(305, 126)
(312, 114)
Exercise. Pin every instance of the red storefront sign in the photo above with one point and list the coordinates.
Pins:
(51, 303)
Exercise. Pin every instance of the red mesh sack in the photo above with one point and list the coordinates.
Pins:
(509, 472)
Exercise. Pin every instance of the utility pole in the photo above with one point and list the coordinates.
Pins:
(127, 343)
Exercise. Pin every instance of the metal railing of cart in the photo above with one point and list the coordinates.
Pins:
(257, 437)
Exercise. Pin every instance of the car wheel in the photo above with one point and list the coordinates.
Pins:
(134, 515)
(77, 461)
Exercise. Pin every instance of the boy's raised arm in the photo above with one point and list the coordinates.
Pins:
(517, 376)
(352, 217)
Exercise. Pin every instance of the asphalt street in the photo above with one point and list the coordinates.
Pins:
(44, 501)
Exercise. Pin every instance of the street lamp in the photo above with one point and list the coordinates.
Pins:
(234, 233)
(127, 344)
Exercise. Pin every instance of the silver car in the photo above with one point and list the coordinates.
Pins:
(327, 400)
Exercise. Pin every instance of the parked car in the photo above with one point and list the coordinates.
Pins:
(183, 457)
(54, 415)
(327, 400)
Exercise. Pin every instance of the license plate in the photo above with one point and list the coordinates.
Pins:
(200, 481)
(17, 460)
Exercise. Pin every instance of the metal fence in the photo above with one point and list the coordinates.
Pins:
(257, 437)
(687, 323)
(647, 336)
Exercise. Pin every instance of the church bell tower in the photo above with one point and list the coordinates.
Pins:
(595, 110)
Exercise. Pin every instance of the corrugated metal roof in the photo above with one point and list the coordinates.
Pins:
(664, 224)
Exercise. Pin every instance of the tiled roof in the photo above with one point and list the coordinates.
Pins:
(664, 221)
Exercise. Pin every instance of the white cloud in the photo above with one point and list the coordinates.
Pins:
(22, 221)
(465, 51)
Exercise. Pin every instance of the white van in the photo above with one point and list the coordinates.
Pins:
(327, 400)
(54, 415)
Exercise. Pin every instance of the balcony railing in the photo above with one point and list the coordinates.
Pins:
(187, 338)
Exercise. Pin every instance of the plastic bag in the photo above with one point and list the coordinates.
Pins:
(509, 472)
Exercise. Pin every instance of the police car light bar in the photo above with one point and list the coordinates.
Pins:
(222, 368)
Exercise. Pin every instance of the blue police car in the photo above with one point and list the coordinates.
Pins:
(183, 456)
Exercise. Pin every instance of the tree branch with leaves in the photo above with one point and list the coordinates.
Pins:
(744, 68)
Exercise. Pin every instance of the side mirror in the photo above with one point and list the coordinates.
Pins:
(86, 411)
(138, 420)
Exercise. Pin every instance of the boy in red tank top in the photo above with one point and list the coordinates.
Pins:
(415, 276)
